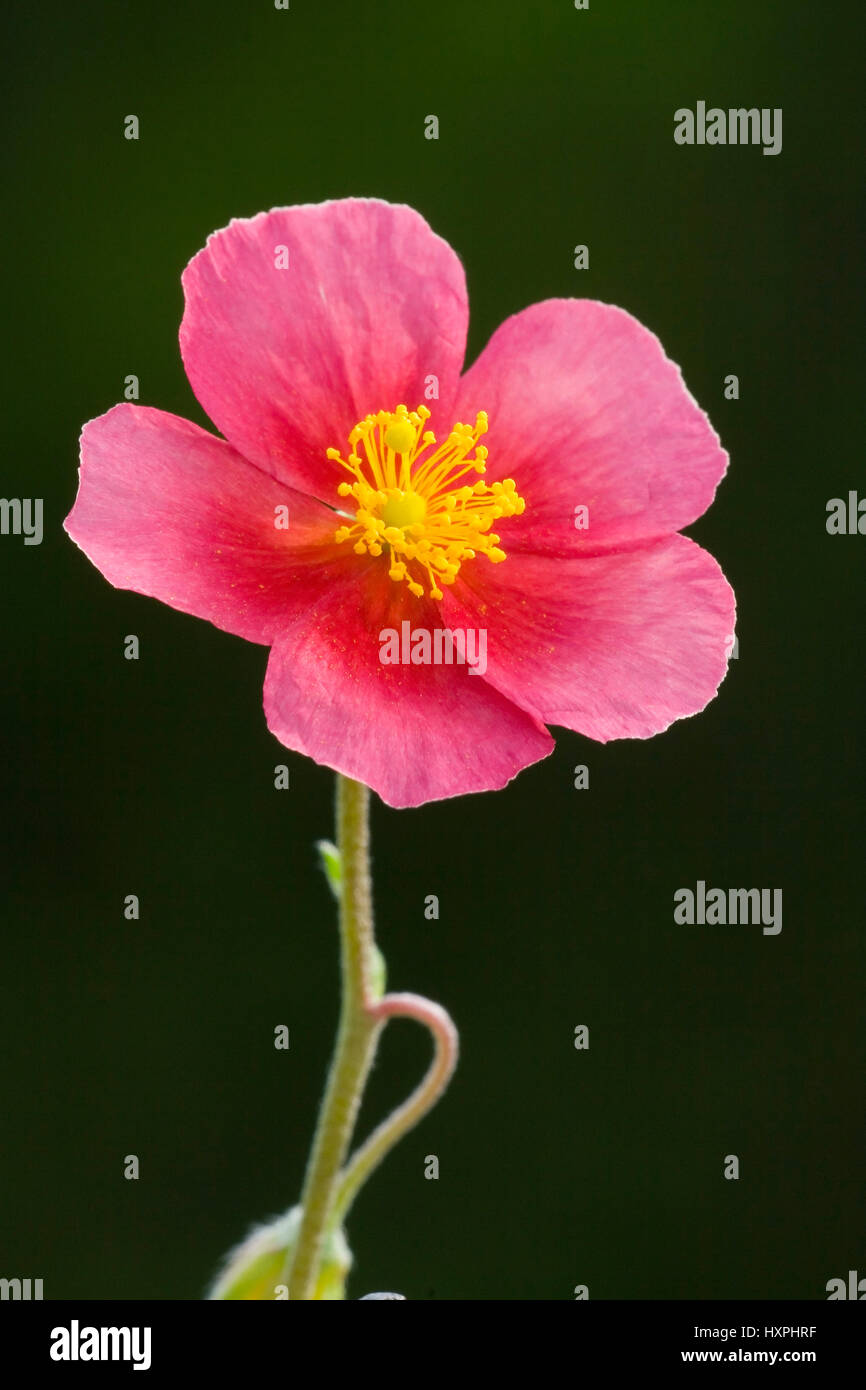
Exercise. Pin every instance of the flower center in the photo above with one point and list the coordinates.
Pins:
(408, 497)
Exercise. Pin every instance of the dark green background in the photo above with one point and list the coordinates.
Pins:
(156, 777)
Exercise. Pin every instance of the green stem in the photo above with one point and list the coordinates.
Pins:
(356, 1039)
(329, 1189)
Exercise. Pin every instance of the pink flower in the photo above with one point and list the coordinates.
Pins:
(317, 338)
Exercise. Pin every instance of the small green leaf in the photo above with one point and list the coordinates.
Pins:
(332, 864)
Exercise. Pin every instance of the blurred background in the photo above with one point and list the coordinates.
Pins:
(557, 1167)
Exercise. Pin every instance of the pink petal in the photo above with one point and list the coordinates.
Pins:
(614, 646)
(168, 510)
(586, 410)
(412, 733)
(286, 362)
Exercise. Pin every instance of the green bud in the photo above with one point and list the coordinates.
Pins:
(254, 1270)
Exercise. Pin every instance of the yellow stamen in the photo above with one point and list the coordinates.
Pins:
(412, 500)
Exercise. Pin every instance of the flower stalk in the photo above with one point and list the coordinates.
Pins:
(328, 1189)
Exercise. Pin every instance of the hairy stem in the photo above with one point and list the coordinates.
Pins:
(329, 1192)
(356, 1038)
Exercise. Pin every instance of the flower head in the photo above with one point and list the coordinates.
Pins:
(352, 520)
